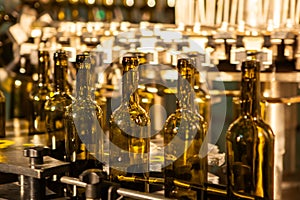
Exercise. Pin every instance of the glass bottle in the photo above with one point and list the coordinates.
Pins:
(184, 145)
(40, 94)
(202, 98)
(129, 128)
(153, 99)
(84, 135)
(55, 107)
(101, 94)
(2, 115)
(250, 142)
(20, 105)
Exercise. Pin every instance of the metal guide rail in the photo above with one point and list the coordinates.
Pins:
(34, 170)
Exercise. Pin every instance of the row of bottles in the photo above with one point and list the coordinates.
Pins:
(250, 142)
(76, 126)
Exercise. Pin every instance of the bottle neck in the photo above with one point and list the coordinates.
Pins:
(250, 89)
(129, 86)
(60, 78)
(83, 83)
(186, 90)
(44, 72)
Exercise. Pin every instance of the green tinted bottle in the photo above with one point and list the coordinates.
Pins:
(250, 142)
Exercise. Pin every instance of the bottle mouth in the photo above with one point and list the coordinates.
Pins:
(130, 61)
(185, 67)
(251, 64)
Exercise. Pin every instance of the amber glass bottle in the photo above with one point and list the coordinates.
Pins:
(84, 135)
(55, 107)
(129, 128)
(250, 142)
(184, 133)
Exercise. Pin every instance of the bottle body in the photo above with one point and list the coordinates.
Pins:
(190, 166)
(84, 135)
(250, 149)
(250, 143)
(84, 142)
(185, 149)
(55, 109)
(130, 148)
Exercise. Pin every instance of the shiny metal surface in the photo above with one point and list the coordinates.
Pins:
(139, 195)
(16, 163)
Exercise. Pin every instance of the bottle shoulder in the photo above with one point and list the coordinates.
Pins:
(84, 107)
(41, 93)
(127, 113)
(75, 110)
(249, 127)
(186, 117)
(58, 101)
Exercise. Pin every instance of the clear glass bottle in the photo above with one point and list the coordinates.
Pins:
(55, 107)
(84, 135)
(250, 142)
(40, 94)
(2, 115)
(184, 133)
(129, 128)
(153, 99)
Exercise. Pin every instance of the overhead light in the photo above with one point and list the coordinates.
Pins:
(171, 3)
(129, 3)
(151, 3)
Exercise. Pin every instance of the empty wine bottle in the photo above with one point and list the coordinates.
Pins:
(202, 98)
(250, 142)
(129, 128)
(55, 107)
(184, 132)
(84, 135)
